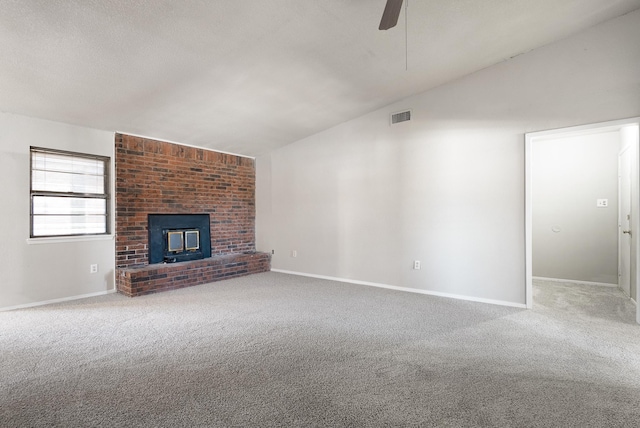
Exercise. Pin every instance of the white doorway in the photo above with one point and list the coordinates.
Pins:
(628, 251)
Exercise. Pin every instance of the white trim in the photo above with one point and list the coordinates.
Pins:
(618, 220)
(592, 128)
(63, 299)
(528, 223)
(575, 281)
(162, 140)
(410, 290)
(80, 238)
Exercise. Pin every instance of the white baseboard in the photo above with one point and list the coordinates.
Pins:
(407, 289)
(63, 299)
(574, 281)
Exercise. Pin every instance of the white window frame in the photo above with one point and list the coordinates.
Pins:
(105, 196)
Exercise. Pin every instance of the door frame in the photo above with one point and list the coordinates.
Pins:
(530, 140)
(624, 242)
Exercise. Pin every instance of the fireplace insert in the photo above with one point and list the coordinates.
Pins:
(178, 237)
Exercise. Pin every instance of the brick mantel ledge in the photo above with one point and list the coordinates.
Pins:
(147, 279)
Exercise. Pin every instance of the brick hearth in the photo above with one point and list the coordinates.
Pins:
(136, 281)
(155, 177)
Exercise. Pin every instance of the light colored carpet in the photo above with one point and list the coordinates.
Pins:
(279, 350)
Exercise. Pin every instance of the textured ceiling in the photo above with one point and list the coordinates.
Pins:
(248, 76)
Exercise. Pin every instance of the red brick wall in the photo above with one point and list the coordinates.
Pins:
(154, 177)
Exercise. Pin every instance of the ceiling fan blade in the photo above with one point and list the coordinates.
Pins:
(390, 14)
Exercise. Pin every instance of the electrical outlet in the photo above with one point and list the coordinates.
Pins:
(93, 268)
(294, 253)
(602, 203)
(416, 264)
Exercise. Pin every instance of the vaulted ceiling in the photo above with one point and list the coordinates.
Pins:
(249, 76)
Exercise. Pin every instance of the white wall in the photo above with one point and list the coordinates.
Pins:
(362, 200)
(572, 237)
(36, 272)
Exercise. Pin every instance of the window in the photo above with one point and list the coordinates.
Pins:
(69, 193)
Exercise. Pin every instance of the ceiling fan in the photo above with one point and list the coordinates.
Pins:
(390, 14)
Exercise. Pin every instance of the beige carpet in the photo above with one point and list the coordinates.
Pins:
(279, 350)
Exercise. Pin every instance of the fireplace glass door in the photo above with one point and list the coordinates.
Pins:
(175, 242)
(192, 240)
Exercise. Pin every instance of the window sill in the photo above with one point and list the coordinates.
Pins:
(61, 239)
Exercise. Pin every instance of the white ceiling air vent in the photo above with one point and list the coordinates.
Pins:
(402, 116)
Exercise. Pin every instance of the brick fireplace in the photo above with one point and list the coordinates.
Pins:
(164, 179)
